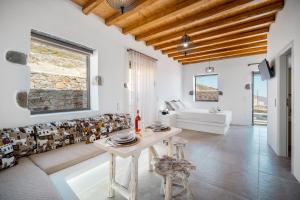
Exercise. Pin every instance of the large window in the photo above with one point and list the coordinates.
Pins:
(59, 79)
(206, 87)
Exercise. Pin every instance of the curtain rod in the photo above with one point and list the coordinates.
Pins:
(142, 54)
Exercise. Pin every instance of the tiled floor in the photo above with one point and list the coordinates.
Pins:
(239, 165)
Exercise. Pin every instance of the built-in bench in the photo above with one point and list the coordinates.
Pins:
(26, 181)
(59, 159)
(44, 149)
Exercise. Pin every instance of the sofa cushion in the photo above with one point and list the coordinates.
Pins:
(23, 140)
(56, 160)
(7, 158)
(26, 181)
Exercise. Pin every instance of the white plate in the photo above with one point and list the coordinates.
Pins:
(125, 141)
(118, 139)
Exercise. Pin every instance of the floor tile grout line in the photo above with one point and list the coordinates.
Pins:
(278, 177)
(258, 169)
(206, 157)
(221, 188)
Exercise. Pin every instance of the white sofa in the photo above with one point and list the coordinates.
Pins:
(198, 119)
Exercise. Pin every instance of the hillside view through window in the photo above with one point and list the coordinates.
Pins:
(206, 87)
(58, 79)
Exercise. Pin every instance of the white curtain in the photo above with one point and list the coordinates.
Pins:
(142, 87)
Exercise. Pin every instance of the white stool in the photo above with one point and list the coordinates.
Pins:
(174, 172)
(179, 143)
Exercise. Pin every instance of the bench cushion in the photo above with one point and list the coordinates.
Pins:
(59, 159)
(26, 181)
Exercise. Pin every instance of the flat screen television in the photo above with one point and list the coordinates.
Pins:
(266, 71)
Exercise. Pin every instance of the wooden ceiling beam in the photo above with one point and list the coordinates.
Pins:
(235, 43)
(177, 9)
(194, 19)
(260, 34)
(119, 16)
(262, 23)
(224, 57)
(252, 15)
(226, 53)
(90, 6)
(224, 50)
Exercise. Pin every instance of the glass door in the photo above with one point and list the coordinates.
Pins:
(259, 100)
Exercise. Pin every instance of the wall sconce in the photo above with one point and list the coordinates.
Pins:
(191, 92)
(248, 86)
(98, 80)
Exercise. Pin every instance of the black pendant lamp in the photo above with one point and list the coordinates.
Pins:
(185, 45)
(122, 5)
(185, 40)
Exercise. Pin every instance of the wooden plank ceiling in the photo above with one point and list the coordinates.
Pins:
(218, 29)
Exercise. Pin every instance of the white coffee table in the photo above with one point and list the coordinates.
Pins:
(146, 140)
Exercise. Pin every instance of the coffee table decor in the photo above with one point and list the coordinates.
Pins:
(125, 138)
(159, 127)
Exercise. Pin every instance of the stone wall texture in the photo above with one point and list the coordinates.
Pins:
(51, 92)
(57, 82)
(54, 100)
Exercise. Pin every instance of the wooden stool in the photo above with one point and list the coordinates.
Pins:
(179, 143)
(174, 172)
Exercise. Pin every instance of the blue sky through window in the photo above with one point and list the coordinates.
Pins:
(208, 80)
(260, 87)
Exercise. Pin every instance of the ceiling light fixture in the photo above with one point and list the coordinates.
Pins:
(185, 45)
(209, 69)
(122, 5)
(185, 40)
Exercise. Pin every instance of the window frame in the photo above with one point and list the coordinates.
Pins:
(62, 43)
(195, 82)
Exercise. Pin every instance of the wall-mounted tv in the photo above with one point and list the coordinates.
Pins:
(266, 71)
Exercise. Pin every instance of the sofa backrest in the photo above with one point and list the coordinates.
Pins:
(38, 138)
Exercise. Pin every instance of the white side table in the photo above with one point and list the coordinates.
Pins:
(164, 118)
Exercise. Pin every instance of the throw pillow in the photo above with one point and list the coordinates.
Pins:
(7, 158)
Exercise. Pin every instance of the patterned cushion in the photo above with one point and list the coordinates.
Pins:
(18, 142)
(45, 137)
(7, 158)
(23, 141)
(69, 131)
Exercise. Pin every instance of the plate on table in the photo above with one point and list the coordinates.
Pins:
(162, 128)
(123, 140)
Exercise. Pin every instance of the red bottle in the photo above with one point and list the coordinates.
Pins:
(137, 122)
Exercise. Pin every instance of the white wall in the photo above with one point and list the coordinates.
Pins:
(283, 32)
(233, 75)
(64, 19)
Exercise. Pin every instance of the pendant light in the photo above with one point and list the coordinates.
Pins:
(122, 5)
(185, 41)
(209, 69)
(185, 45)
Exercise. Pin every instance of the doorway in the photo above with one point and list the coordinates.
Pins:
(259, 100)
(285, 103)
